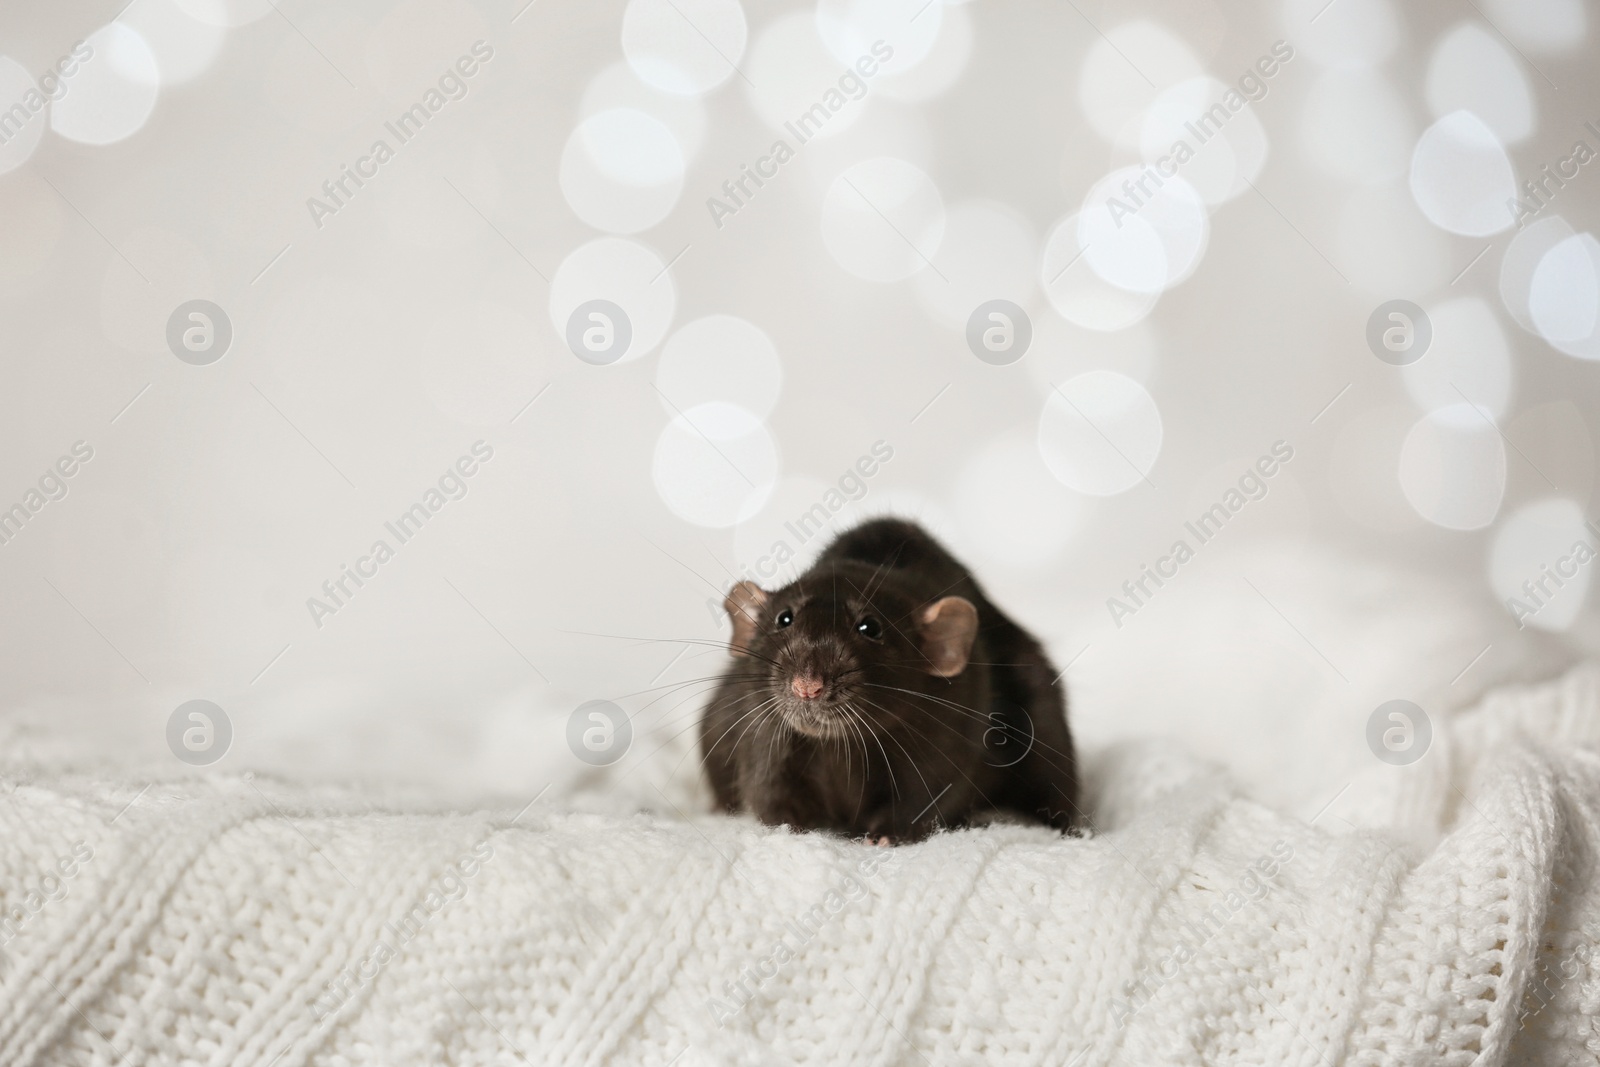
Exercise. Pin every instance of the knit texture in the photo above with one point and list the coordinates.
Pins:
(231, 920)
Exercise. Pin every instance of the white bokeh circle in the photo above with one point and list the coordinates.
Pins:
(617, 86)
(112, 93)
(1461, 177)
(1100, 433)
(720, 357)
(184, 46)
(850, 28)
(1078, 294)
(1011, 509)
(1468, 360)
(940, 69)
(621, 170)
(792, 74)
(1125, 68)
(625, 273)
(1533, 567)
(684, 47)
(1453, 468)
(631, 147)
(1143, 238)
(1349, 33)
(715, 465)
(1235, 149)
(1522, 258)
(883, 219)
(1470, 70)
(1564, 296)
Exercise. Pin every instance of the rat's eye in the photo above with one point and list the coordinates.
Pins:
(870, 628)
(785, 617)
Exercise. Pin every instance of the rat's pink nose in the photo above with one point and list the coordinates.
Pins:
(806, 686)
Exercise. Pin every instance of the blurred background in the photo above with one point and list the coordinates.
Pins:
(582, 311)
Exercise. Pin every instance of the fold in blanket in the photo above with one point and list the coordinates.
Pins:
(237, 921)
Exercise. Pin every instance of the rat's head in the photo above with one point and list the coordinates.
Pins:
(833, 648)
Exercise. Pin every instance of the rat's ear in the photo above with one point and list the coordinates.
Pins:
(949, 626)
(744, 603)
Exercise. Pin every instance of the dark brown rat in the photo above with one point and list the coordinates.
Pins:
(882, 694)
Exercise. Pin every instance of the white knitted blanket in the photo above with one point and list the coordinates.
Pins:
(238, 921)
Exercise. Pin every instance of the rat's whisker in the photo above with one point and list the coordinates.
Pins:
(975, 788)
(888, 764)
(976, 716)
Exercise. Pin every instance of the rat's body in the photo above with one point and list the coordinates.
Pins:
(882, 694)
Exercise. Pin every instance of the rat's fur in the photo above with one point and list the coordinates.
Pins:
(951, 713)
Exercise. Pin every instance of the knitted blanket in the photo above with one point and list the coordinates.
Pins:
(234, 920)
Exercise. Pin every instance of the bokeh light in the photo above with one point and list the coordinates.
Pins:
(1010, 507)
(1361, 472)
(1231, 157)
(1467, 361)
(113, 92)
(1453, 468)
(621, 171)
(1461, 177)
(685, 47)
(1078, 294)
(1100, 433)
(1141, 236)
(1472, 71)
(1522, 258)
(625, 273)
(184, 47)
(1564, 296)
(720, 357)
(939, 70)
(1126, 68)
(1532, 548)
(883, 219)
(791, 72)
(850, 28)
(617, 86)
(715, 464)
(1349, 33)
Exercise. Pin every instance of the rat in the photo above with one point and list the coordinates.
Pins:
(882, 695)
